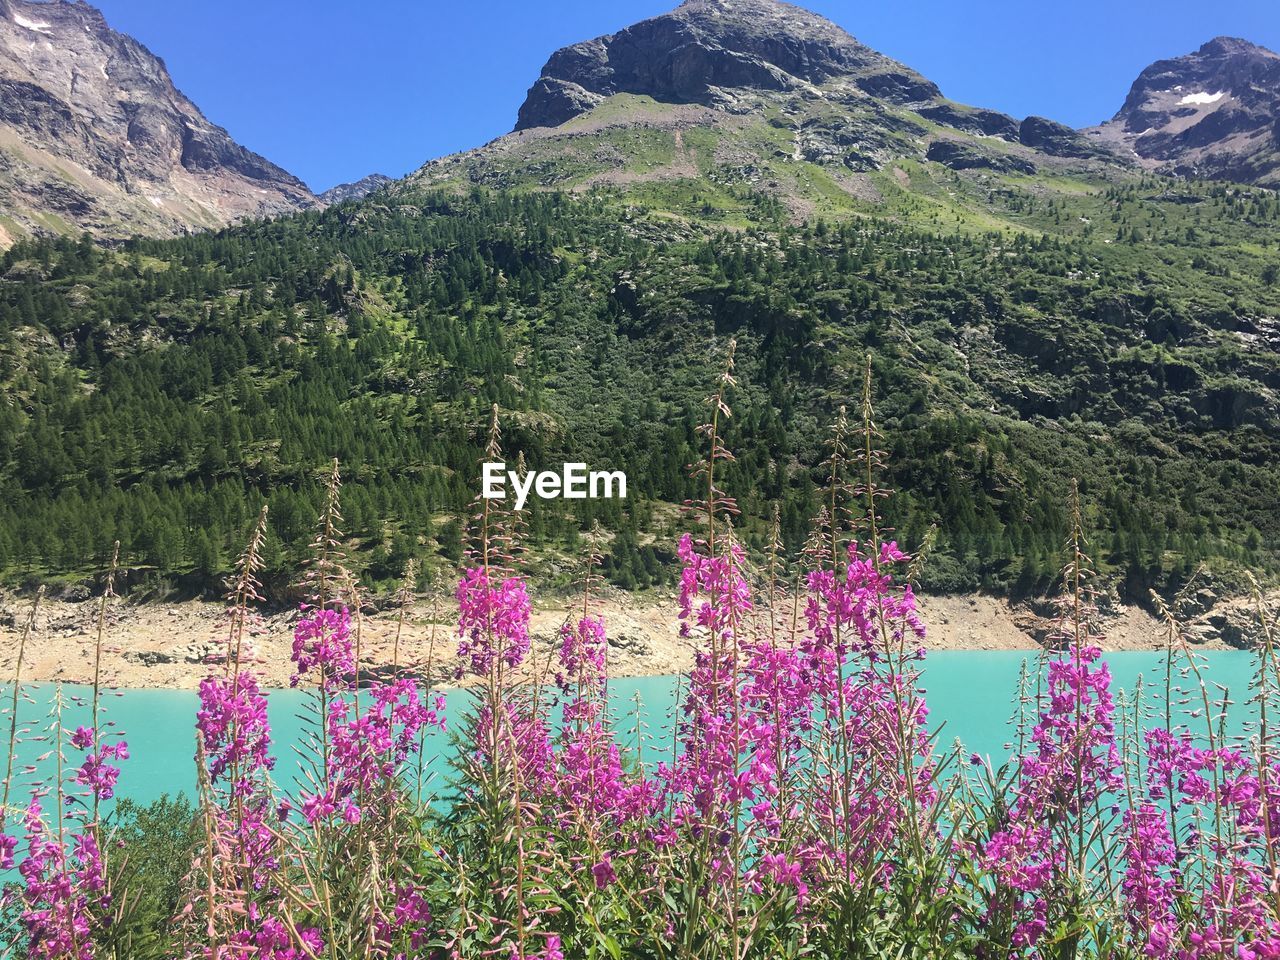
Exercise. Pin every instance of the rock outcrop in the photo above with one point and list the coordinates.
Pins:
(354, 191)
(1055, 139)
(1212, 113)
(705, 47)
(850, 105)
(959, 156)
(987, 123)
(95, 136)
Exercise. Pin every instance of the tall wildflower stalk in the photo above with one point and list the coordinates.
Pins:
(8, 843)
(1043, 859)
(899, 630)
(874, 795)
(1207, 873)
(322, 637)
(405, 598)
(706, 786)
(1267, 685)
(108, 591)
(234, 905)
(510, 741)
(66, 896)
(359, 877)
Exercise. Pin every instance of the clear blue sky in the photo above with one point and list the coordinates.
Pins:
(335, 89)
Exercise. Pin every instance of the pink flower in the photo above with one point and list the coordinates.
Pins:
(1148, 886)
(236, 737)
(82, 739)
(604, 873)
(62, 892)
(366, 750)
(233, 727)
(97, 772)
(582, 653)
(1073, 764)
(322, 642)
(493, 621)
(590, 782)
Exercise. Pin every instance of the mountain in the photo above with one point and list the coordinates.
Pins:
(749, 96)
(1036, 312)
(1214, 113)
(704, 50)
(354, 191)
(95, 136)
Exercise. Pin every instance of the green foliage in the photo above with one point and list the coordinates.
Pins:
(149, 856)
(159, 394)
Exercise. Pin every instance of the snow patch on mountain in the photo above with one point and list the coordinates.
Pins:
(1202, 99)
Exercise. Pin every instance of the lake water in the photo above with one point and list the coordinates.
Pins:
(970, 697)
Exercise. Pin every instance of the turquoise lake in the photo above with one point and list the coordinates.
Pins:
(970, 697)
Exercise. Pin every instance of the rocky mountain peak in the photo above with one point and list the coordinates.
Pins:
(94, 135)
(1210, 113)
(728, 7)
(354, 191)
(728, 64)
(704, 47)
(1228, 65)
(1232, 47)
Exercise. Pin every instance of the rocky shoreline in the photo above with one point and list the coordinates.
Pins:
(171, 645)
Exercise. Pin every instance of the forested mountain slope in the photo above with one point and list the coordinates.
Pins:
(1121, 334)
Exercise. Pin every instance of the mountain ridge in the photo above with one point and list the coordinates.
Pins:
(356, 189)
(687, 54)
(737, 97)
(1209, 113)
(94, 135)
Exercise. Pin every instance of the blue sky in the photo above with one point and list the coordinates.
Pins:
(335, 89)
